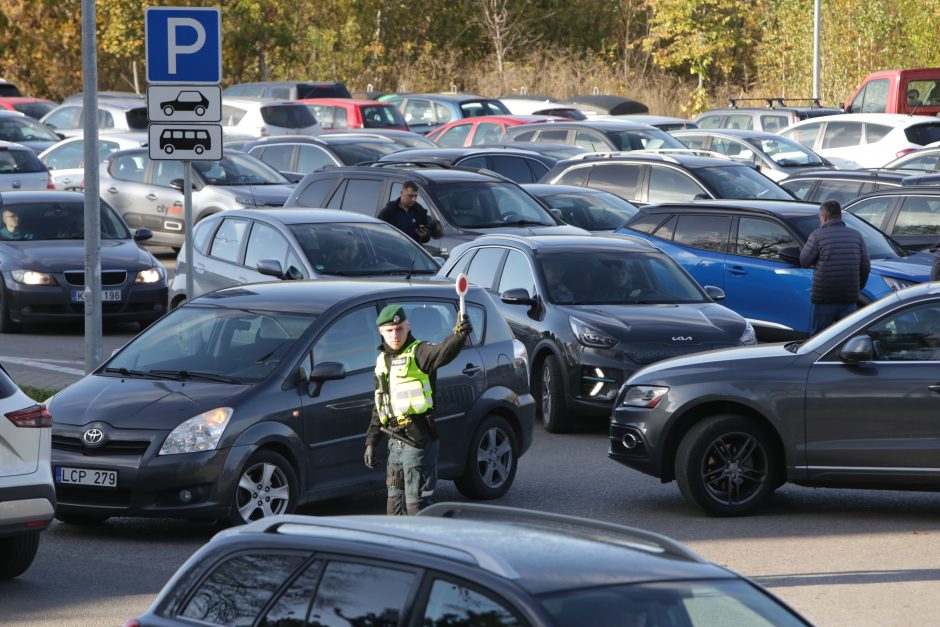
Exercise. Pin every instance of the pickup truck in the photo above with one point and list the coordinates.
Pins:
(914, 92)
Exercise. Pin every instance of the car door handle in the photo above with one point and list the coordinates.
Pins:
(112, 189)
(934, 388)
(199, 268)
(151, 196)
(471, 370)
(737, 270)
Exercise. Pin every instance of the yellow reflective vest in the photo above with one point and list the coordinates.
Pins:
(402, 389)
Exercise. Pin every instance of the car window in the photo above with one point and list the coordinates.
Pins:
(264, 242)
(381, 116)
(651, 139)
(773, 123)
(483, 268)
(228, 239)
(231, 116)
(237, 590)
(919, 162)
(66, 117)
(351, 340)
(312, 158)
(841, 191)
(923, 134)
(517, 274)
(450, 604)
(461, 265)
(668, 228)
(559, 136)
(314, 194)
(455, 136)
(762, 238)
(418, 112)
(290, 609)
(238, 169)
(434, 321)
(472, 162)
(737, 120)
(278, 157)
(919, 215)
(165, 171)
(592, 142)
(361, 594)
(875, 98)
(620, 179)
(734, 149)
(575, 176)
(740, 181)
(786, 152)
(709, 121)
(201, 233)
(704, 232)
(323, 114)
(696, 142)
(362, 196)
(513, 168)
(483, 205)
(799, 188)
(130, 168)
(487, 133)
(20, 161)
(805, 135)
(873, 210)
(842, 134)
(909, 335)
(442, 113)
(288, 116)
(876, 132)
(667, 184)
(925, 91)
(66, 156)
(524, 137)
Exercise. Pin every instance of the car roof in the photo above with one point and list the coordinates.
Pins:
(896, 120)
(449, 97)
(547, 189)
(245, 101)
(554, 243)
(783, 208)
(304, 215)
(13, 146)
(39, 196)
(455, 153)
(419, 175)
(675, 157)
(730, 132)
(23, 99)
(595, 124)
(508, 543)
(358, 102)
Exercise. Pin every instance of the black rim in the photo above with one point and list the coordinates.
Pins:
(735, 468)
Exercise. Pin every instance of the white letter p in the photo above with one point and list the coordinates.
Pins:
(172, 49)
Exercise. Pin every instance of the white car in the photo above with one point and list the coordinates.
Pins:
(869, 140)
(21, 169)
(27, 494)
(537, 106)
(66, 160)
(114, 114)
(263, 117)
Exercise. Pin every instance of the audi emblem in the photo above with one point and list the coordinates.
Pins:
(93, 437)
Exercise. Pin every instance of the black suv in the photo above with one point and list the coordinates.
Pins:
(676, 177)
(595, 135)
(910, 215)
(248, 401)
(462, 204)
(842, 185)
(456, 565)
(593, 309)
(517, 164)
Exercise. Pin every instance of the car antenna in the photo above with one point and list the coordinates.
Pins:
(414, 260)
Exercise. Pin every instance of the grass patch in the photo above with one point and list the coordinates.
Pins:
(38, 394)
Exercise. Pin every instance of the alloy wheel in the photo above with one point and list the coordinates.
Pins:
(263, 491)
(735, 468)
(495, 457)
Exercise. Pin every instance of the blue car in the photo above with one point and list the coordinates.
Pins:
(750, 249)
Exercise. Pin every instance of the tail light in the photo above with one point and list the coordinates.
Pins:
(49, 183)
(132, 622)
(901, 153)
(36, 416)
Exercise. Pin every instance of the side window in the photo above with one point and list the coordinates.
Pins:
(264, 242)
(105, 120)
(418, 112)
(774, 123)
(228, 239)
(166, 171)
(455, 136)
(350, 340)
(805, 135)
(323, 114)
(232, 115)
(394, 193)
(667, 229)
(523, 137)
(442, 114)
(925, 162)
(482, 270)
(876, 132)
(874, 210)
(361, 594)
(461, 265)
(314, 195)
(842, 191)
(842, 134)
(738, 120)
(668, 185)
(452, 604)
(695, 142)
(362, 196)
(575, 176)
(473, 162)
(621, 179)
(434, 321)
(68, 156)
(875, 98)
(704, 232)
(590, 141)
(239, 588)
(339, 118)
(558, 136)
(516, 274)
(66, 117)
(202, 232)
(919, 215)
(909, 335)
(130, 168)
(513, 168)
(799, 188)
(336, 201)
(290, 609)
(487, 133)
(645, 223)
(278, 157)
(709, 121)
(762, 238)
(736, 150)
(312, 158)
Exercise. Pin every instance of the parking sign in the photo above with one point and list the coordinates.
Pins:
(184, 45)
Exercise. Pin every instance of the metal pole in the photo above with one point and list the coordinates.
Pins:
(816, 50)
(188, 225)
(92, 294)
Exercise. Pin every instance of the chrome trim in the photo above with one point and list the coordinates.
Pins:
(872, 468)
(767, 323)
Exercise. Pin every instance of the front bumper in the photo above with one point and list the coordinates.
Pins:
(593, 378)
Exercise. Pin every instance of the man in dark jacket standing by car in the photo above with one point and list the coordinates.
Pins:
(405, 377)
(407, 215)
(841, 266)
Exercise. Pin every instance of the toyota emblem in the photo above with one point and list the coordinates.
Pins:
(93, 437)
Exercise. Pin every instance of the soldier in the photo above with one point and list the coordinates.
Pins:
(405, 375)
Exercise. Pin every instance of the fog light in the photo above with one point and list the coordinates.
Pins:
(185, 496)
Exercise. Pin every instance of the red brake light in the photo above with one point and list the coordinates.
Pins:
(132, 622)
(50, 184)
(32, 417)
(901, 153)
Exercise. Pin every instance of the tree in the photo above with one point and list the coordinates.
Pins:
(505, 23)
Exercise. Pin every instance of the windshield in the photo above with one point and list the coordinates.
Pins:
(786, 152)
(56, 220)
(24, 129)
(196, 342)
(741, 181)
(594, 212)
(34, 110)
(353, 153)
(483, 205)
(616, 278)
(239, 169)
(651, 139)
(355, 249)
(717, 603)
(877, 243)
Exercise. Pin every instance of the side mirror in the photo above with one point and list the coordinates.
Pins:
(715, 293)
(142, 235)
(440, 261)
(177, 184)
(856, 350)
(270, 267)
(790, 255)
(436, 228)
(293, 178)
(324, 371)
(517, 296)
(293, 274)
(556, 212)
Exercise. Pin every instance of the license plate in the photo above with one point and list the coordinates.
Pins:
(107, 296)
(86, 476)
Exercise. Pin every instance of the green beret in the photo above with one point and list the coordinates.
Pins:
(391, 314)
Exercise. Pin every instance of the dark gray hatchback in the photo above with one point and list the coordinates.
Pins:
(248, 401)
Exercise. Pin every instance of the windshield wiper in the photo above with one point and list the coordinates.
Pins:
(189, 374)
(139, 374)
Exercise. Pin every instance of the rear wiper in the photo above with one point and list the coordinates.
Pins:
(189, 374)
(124, 372)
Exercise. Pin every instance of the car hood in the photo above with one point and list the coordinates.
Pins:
(263, 195)
(37, 145)
(679, 325)
(139, 403)
(60, 255)
(915, 267)
(775, 355)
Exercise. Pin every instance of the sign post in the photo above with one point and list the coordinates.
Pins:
(461, 286)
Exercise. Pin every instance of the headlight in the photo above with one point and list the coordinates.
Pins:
(152, 275)
(897, 284)
(647, 396)
(248, 202)
(199, 433)
(30, 277)
(749, 336)
(589, 336)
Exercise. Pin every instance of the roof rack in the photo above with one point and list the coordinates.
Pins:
(733, 102)
(665, 153)
(814, 102)
(599, 530)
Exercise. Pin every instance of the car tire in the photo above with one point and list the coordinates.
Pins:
(6, 322)
(275, 488)
(728, 465)
(491, 460)
(17, 553)
(552, 405)
(80, 519)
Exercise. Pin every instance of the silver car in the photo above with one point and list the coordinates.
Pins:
(20, 168)
(66, 160)
(116, 114)
(238, 247)
(149, 193)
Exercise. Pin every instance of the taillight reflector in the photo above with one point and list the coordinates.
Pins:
(36, 416)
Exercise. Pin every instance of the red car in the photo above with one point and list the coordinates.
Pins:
(353, 113)
(33, 107)
(486, 129)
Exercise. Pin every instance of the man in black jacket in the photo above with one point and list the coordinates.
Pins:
(407, 214)
(841, 266)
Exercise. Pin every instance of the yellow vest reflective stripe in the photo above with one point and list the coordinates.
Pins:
(408, 389)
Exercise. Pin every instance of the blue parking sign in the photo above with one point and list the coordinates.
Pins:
(184, 45)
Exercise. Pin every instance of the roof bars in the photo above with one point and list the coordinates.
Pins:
(733, 102)
(771, 102)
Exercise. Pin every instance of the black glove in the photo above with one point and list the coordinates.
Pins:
(464, 327)
(369, 457)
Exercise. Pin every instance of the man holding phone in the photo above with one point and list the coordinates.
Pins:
(407, 214)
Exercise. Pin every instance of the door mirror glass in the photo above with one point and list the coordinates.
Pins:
(517, 296)
(857, 349)
(715, 293)
(142, 235)
(324, 371)
(270, 267)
